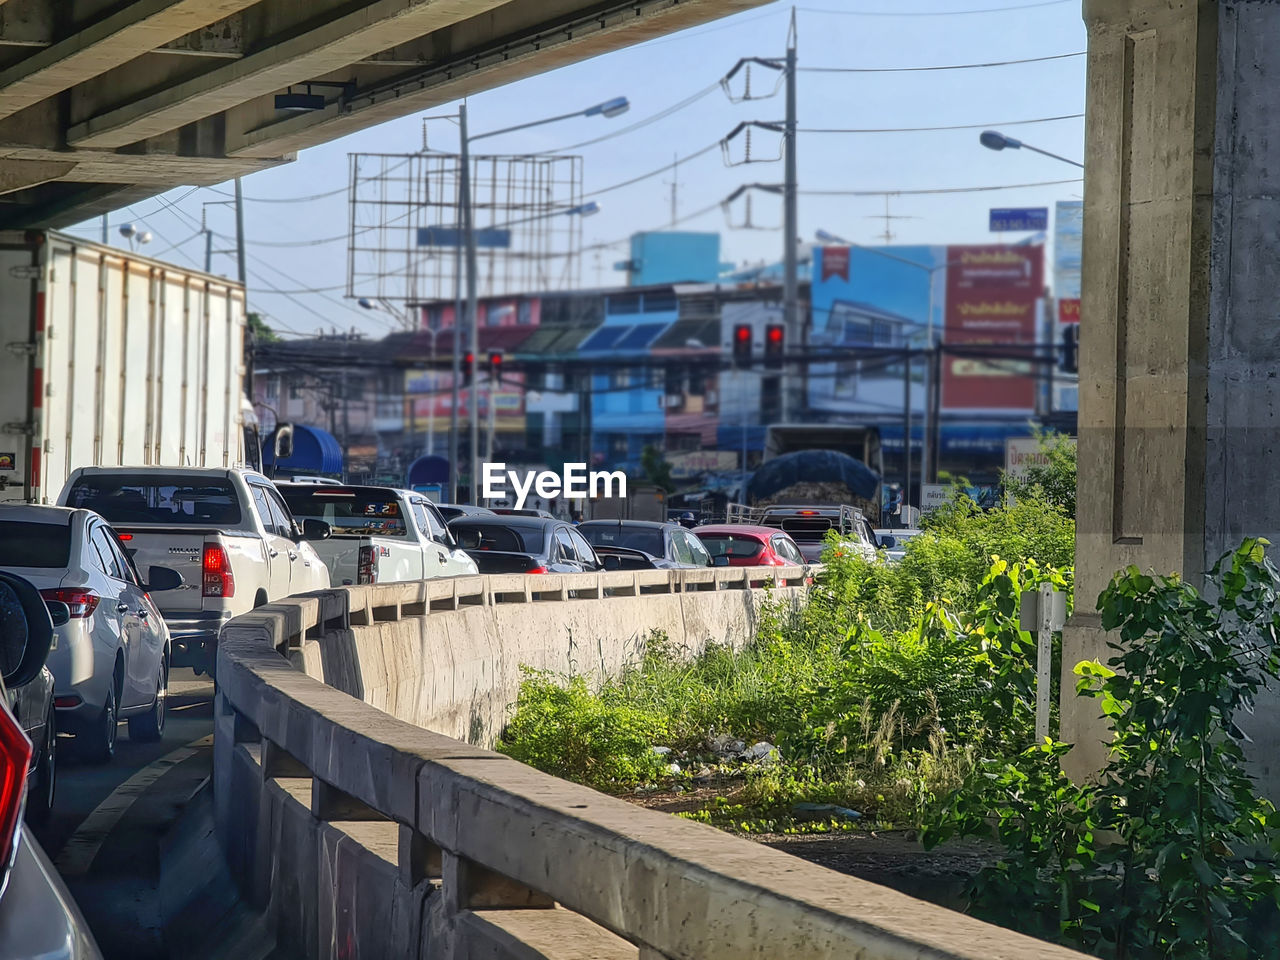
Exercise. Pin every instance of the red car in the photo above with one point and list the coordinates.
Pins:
(749, 546)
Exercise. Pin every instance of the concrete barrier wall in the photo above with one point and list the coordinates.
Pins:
(459, 673)
(364, 835)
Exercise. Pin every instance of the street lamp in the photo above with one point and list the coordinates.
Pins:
(995, 140)
(607, 108)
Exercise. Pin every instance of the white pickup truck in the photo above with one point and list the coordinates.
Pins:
(379, 534)
(228, 531)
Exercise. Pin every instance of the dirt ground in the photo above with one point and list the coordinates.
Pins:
(892, 858)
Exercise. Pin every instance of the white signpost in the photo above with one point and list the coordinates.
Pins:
(933, 495)
(1043, 612)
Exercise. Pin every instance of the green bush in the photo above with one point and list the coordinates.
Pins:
(1176, 878)
(561, 727)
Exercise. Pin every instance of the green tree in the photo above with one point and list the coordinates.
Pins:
(259, 330)
(1053, 481)
(657, 470)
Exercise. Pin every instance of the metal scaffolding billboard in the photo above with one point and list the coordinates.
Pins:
(404, 237)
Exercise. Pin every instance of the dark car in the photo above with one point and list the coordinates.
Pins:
(522, 512)
(451, 511)
(517, 544)
(671, 546)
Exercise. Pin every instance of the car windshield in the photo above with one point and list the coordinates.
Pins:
(125, 499)
(647, 539)
(492, 536)
(731, 545)
(350, 513)
(26, 544)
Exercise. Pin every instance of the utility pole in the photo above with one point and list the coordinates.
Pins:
(457, 336)
(239, 234)
(346, 428)
(790, 228)
(934, 409)
(675, 189)
(208, 240)
(104, 229)
(473, 328)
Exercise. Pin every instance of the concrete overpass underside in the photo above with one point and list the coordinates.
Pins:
(103, 102)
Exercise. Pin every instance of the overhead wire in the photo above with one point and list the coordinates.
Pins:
(932, 13)
(949, 66)
(956, 126)
(934, 190)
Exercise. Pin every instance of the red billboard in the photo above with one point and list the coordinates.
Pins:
(992, 296)
(1068, 310)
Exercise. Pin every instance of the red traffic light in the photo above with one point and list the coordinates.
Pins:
(495, 358)
(742, 332)
(774, 333)
(469, 359)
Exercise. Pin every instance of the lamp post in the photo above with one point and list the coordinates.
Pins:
(608, 108)
(995, 140)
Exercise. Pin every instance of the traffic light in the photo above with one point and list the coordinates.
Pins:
(468, 367)
(774, 341)
(742, 345)
(495, 365)
(1071, 348)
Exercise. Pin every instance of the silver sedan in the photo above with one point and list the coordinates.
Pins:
(110, 660)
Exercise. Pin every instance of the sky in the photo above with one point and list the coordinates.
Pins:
(300, 246)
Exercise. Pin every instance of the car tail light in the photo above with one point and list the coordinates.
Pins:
(218, 580)
(126, 537)
(15, 756)
(366, 572)
(79, 601)
(536, 570)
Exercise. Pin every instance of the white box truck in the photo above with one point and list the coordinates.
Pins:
(108, 358)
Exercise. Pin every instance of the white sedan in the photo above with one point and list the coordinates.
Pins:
(110, 661)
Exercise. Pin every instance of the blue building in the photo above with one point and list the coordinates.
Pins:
(627, 402)
(672, 257)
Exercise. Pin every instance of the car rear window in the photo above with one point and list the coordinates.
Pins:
(633, 538)
(125, 499)
(26, 544)
(730, 545)
(810, 528)
(490, 536)
(350, 513)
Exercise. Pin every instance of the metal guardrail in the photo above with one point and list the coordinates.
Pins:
(367, 836)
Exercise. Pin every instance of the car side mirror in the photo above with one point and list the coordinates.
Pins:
(612, 563)
(313, 529)
(888, 542)
(720, 561)
(283, 442)
(26, 631)
(160, 579)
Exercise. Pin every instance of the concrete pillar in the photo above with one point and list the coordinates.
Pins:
(1180, 344)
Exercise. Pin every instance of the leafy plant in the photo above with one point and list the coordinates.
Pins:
(1053, 481)
(1176, 876)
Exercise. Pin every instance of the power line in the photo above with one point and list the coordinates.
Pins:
(931, 13)
(951, 66)
(958, 126)
(314, 196)
(652, 173)
(639, 124)
(881, 193)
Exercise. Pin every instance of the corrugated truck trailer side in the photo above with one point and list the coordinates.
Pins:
(108, 358)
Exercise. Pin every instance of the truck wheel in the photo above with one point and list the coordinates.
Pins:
(40, 796)
(98, 741)
(149, 727)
